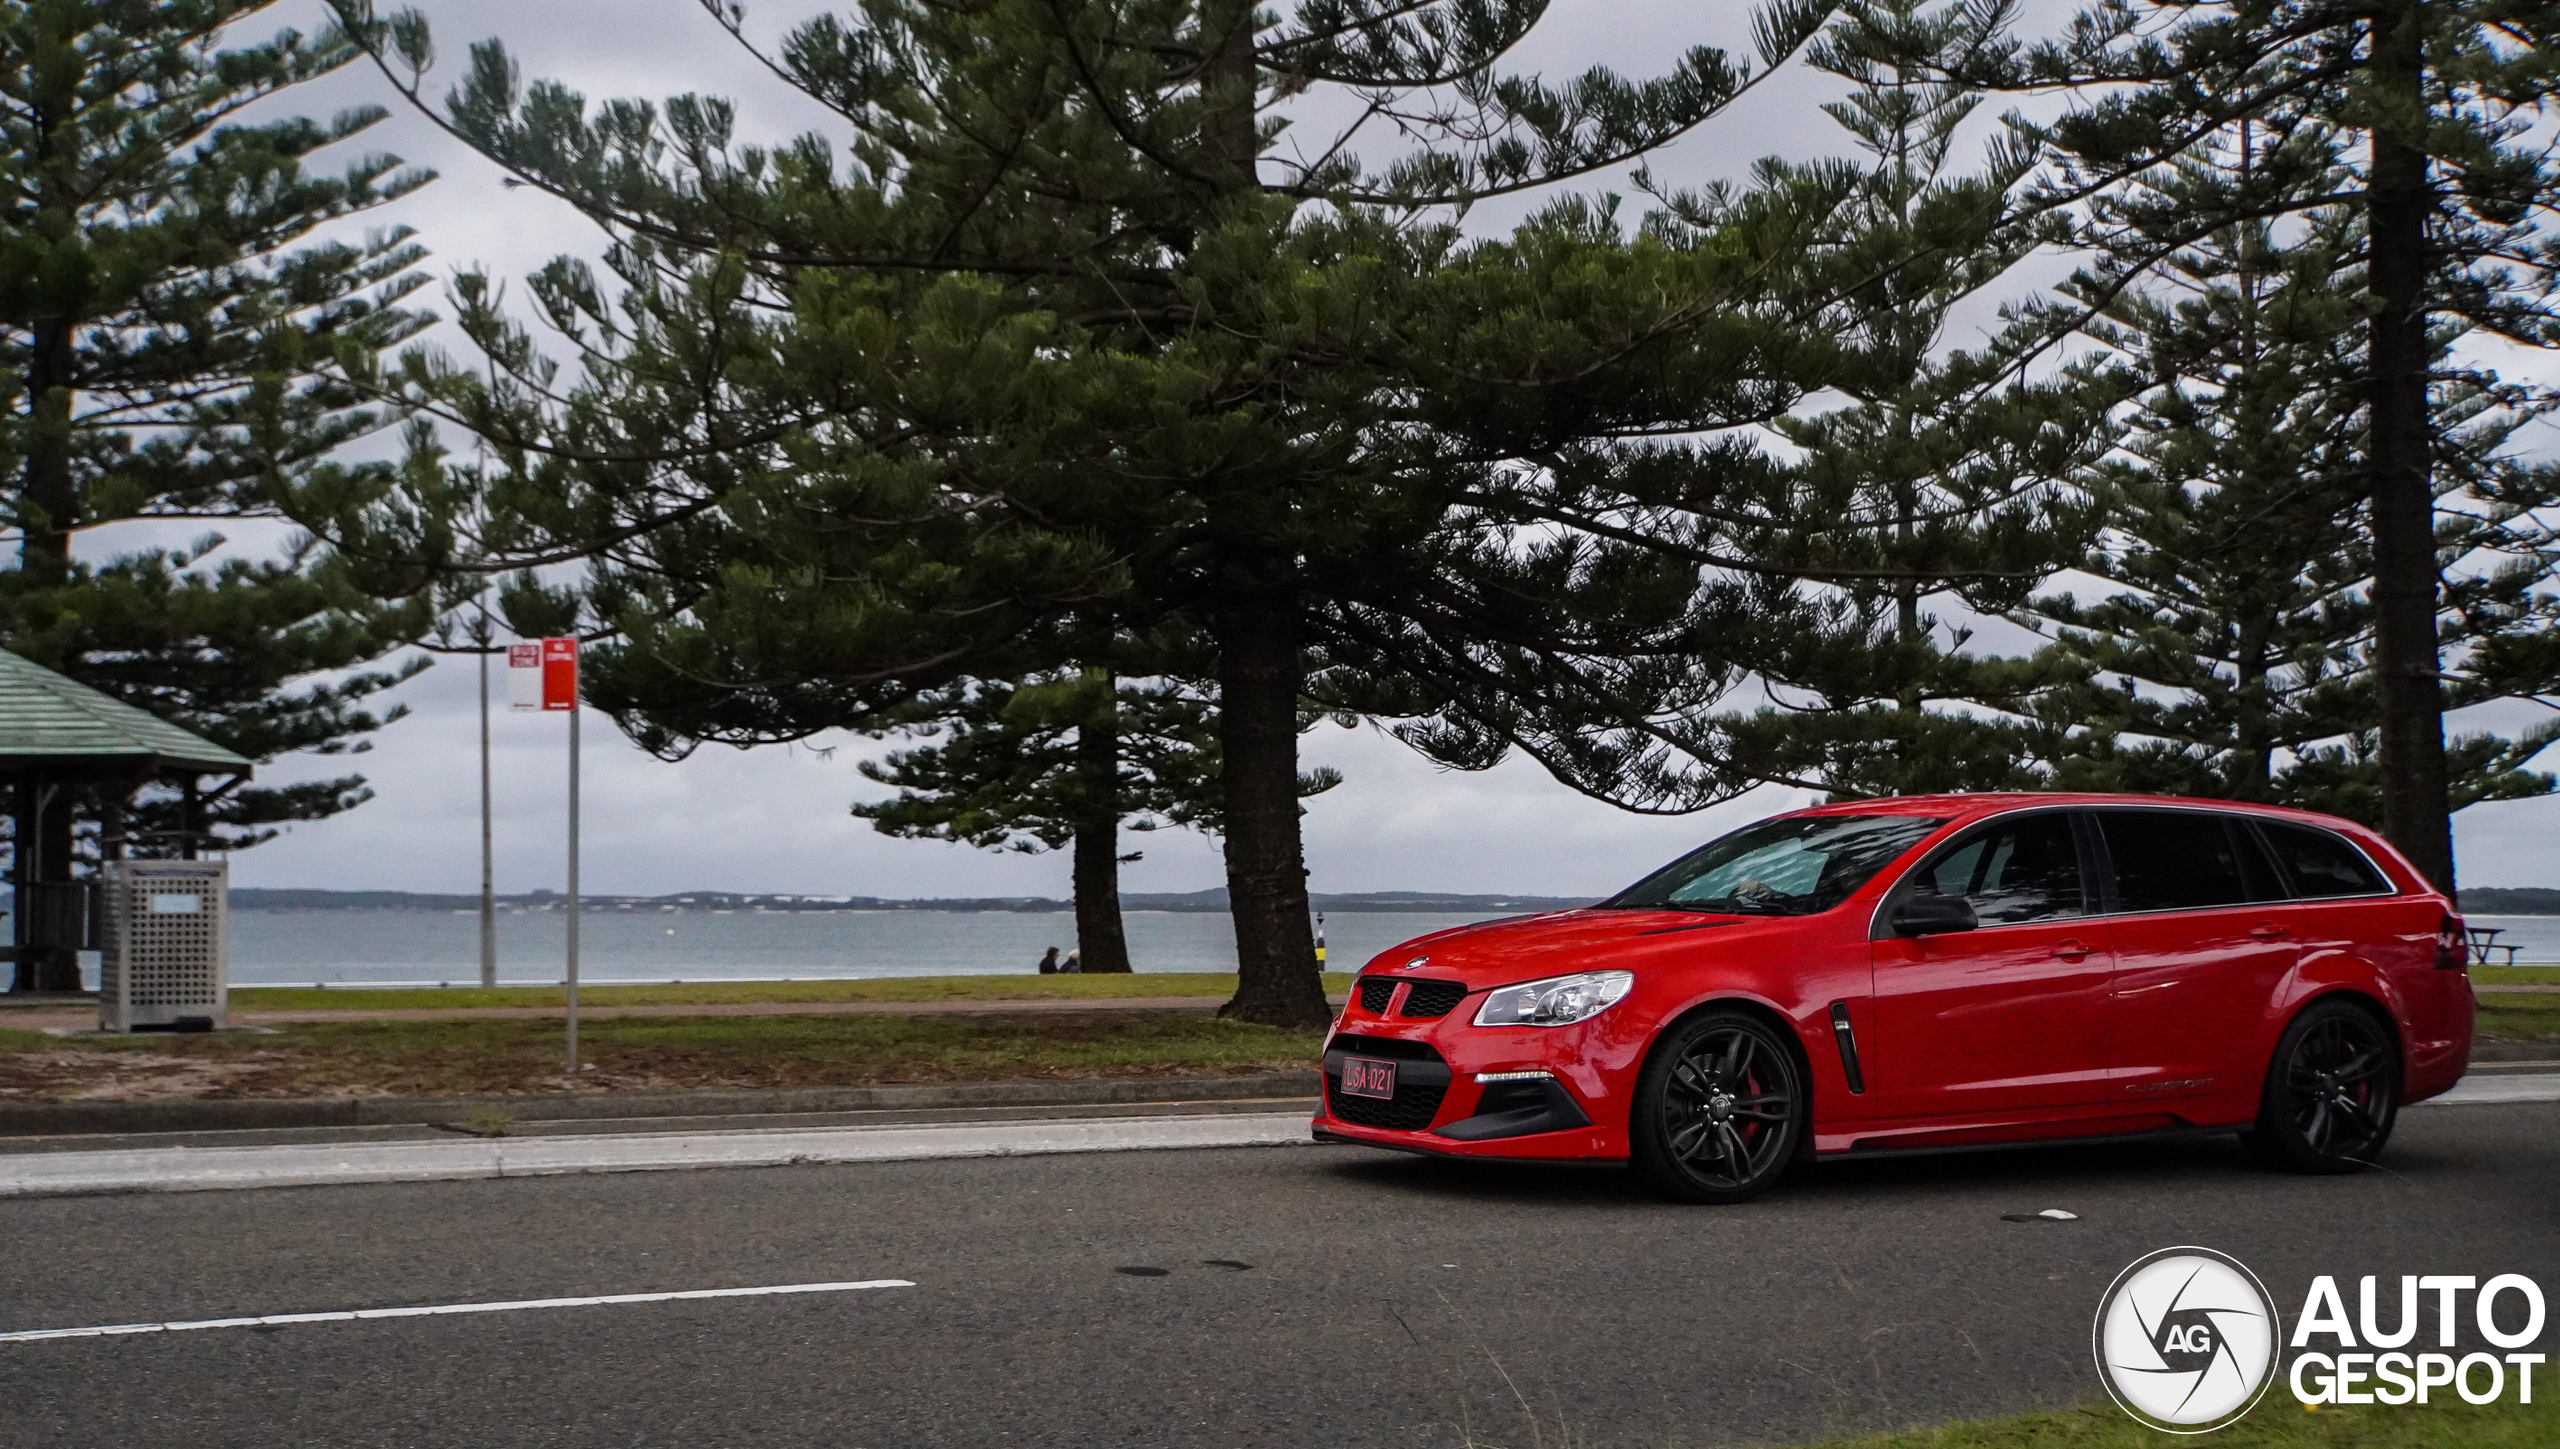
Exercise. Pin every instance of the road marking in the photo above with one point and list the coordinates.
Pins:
(353, 1315)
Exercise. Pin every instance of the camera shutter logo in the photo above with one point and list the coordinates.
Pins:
(2186, 1339)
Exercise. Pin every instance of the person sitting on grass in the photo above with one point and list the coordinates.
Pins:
(1049, 963)
(1075, 962)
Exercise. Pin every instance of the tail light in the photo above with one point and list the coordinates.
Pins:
(2453, 944)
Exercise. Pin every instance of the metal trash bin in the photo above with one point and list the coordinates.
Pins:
(166, 959)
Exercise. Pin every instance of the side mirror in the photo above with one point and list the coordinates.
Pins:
(1933, 915)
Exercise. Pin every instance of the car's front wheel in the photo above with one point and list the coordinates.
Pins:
(2331, 1094)
(1719, 1109)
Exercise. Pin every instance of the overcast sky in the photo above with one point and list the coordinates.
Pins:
(776, 819)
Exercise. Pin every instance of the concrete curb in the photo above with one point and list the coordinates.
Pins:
(2495, 1091)
(2491, 1050)
(207, 1169)
(48, 1119)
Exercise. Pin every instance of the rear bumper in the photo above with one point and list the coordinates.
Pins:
(2438, 1058)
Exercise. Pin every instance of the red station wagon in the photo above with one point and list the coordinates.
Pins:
(1928, 973)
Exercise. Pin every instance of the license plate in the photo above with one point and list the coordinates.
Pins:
(1363, 1078)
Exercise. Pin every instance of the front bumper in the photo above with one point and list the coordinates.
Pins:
(1550, 1100)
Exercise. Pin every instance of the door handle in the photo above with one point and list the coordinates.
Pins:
(2270, 932)
(2069, 950)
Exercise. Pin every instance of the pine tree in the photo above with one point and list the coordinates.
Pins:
(1060, 763)
(2454, 191)
(172, 334)
(1070, 328)
(2226, 650)
(1935, 488)
(2230, 651)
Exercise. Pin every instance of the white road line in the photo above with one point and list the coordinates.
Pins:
(184, 1169)
(2518, 1087)
(352, 1315)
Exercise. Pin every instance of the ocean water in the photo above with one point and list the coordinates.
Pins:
(303, 947)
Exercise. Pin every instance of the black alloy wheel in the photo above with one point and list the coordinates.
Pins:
(1719, 1110)
(2332, 1092)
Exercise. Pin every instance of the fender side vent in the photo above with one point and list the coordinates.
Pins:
(1847, 1038)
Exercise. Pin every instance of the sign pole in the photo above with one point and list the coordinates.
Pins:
(573, 884)
(544, 676)
(488, 868)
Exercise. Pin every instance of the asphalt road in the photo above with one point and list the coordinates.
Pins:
(1309, 1296)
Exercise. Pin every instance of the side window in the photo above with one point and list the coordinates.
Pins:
(2257, 868)
(2013, 871)
(2322, 864)
(2183, 860)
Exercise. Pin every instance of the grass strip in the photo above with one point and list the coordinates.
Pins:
(705, 993)
(2519, 1018)
(483, 1057)
(2277, 1423)
(2516, 975)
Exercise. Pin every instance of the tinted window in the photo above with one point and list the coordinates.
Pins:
(1792, 866)
(2323, 864)
(2013, 870)
(2171, 860)
(2257, 868)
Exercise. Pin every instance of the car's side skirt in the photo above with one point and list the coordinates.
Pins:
(1865, 1139)
(1865, 1150)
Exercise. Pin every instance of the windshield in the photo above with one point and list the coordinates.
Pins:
(1790, 867)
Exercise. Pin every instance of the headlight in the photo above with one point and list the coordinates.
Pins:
(1555, 1001)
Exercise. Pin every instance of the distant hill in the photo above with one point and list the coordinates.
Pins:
(270, 899)
(2527, 901)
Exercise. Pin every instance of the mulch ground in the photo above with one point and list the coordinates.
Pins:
(482, 1056)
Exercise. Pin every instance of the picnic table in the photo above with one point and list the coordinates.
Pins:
(2484, 939)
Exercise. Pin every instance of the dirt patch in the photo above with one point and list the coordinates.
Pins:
(502, 1057)
(140, 1076)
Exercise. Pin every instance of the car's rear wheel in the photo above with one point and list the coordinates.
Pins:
(1719, 1109)
(2332, 1091)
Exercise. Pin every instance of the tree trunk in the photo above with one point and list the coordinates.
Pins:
(49, 506)
(1255, 620)
(2408, 692)
(1276, 979)
(49, 497)
(1102, 944)
(1229, 129)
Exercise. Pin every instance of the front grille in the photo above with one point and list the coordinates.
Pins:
(1375, 993)
(1387, 1046)
(1422, 1079)
(1409, 1110)
(1434, 998)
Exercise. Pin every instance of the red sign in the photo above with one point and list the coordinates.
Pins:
(559, 674)
(543, 675)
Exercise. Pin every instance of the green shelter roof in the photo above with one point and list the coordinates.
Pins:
(49, 717)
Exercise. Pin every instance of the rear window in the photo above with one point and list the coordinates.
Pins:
(2183, 860)
(2323, 864)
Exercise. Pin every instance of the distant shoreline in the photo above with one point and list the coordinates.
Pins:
(2511, 901)
(2490, 901)
(701, 902)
